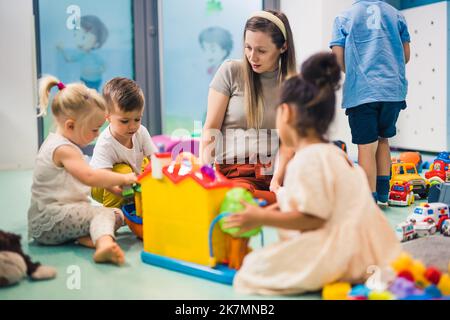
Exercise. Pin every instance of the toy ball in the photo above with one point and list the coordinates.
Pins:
(336, 291)
(433, 275)
(403, 288)
(444, 284)
(433, 291)
(403, 262)
(232, 203)
(381, 295)
(360, 291)
(406, 274)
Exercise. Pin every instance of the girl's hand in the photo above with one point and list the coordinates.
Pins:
(129, 179)
(248, 219)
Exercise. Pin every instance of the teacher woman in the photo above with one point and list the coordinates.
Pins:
(239, 133)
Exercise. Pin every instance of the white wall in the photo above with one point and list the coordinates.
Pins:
(424, 124)
(18, 124)
(312, 22)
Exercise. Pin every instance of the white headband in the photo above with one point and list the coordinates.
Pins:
(272, 18)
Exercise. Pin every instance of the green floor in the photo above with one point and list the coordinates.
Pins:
(135, 280)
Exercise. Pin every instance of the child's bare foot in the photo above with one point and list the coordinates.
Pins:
(108, 251)
(86, 242)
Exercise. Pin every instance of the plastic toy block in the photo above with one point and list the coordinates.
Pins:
(444, 285)
(128, 192)
(433, 275)
(381, 295)
(406, 274)
(336, 291)
(433, 291)
(403, 262)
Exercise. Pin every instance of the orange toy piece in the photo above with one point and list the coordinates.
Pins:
(336, 291)
(136, 229)
(411, 157)
(237, 249)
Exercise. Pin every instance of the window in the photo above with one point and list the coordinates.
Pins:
(84, 41)
(195, 40)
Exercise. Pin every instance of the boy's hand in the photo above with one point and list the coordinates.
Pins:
(129, 179)
(115, 190)
(248, 219)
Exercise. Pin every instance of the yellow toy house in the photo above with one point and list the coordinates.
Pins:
(181, 204)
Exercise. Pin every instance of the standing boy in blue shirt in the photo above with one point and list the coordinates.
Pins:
(371, 42)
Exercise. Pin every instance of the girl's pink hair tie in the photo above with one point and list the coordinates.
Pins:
(61, 85)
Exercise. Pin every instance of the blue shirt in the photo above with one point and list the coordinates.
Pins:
(372, 33)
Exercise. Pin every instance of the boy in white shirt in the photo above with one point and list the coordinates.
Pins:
(124, 145)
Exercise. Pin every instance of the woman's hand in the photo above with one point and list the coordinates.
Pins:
(248, 219)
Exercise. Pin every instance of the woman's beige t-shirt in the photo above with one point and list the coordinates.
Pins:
(239, 141)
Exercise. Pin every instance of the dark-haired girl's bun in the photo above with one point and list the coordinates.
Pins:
(322, 69)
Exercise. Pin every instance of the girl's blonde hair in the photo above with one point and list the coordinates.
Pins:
(287, 65)
(73, 101)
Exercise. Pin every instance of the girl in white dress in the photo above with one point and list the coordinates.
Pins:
(60, 210)
(330, 227)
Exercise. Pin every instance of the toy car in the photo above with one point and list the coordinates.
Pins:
(407, 172)
(435, 213)
(444, 156)
(405, 231)
(412, 157)
(439, 171)
(445, 228)
(401, 194)
(424, 229)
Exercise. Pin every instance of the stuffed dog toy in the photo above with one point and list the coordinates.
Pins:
(15, 265)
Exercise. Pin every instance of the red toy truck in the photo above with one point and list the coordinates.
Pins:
(439, 171)
(401, 194)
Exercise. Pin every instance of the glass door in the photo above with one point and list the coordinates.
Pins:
(84, 41)
(195, 39)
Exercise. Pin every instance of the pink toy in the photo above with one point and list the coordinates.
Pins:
(176, 146)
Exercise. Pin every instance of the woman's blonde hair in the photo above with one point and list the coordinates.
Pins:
(73, 101)
(287, 64)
